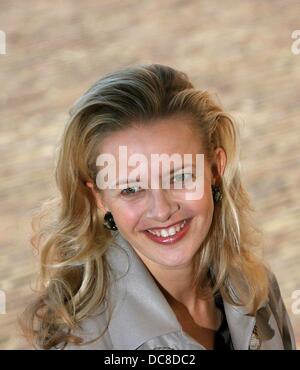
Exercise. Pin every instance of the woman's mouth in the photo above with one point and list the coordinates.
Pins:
(169, 235)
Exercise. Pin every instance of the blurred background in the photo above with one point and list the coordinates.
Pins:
(240, 50)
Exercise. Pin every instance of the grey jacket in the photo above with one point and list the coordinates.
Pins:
(142, 318)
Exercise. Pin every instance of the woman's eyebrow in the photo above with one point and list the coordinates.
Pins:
(126, 181)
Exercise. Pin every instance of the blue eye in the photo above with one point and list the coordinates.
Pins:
(131, 190)
(183, 177)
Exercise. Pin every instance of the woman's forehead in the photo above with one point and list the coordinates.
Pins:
(172, 135)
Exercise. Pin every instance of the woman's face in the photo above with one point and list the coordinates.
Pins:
(144, 216)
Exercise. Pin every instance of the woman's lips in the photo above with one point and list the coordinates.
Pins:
(172, 238)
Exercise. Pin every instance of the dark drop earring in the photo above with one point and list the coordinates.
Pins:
(109, 222)
(217, 193)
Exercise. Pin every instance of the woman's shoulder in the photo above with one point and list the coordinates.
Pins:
(275, 296)
(278, 308)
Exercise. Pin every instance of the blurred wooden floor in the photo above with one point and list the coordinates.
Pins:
(240, 50)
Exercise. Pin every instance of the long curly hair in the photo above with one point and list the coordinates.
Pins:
(68, 230)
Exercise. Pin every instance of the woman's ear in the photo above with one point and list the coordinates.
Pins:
(96, 195)
(220, 161)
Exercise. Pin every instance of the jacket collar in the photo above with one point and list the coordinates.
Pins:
(138, 301)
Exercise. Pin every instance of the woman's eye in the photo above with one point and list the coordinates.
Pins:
(183, 177)
(130, 190)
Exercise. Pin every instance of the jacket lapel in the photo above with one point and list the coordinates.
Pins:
(240, 326)
(139, 304)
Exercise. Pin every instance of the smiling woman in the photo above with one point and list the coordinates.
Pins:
(173, 267)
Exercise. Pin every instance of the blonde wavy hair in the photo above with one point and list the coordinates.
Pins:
(72, 241)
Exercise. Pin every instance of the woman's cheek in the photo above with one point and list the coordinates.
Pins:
(127, 215)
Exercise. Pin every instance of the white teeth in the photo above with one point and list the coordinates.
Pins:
(172, 231)
(168, 232)
(164, 233)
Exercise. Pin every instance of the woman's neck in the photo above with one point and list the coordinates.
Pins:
(183, 295)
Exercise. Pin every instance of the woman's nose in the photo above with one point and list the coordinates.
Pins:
(161, 206)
